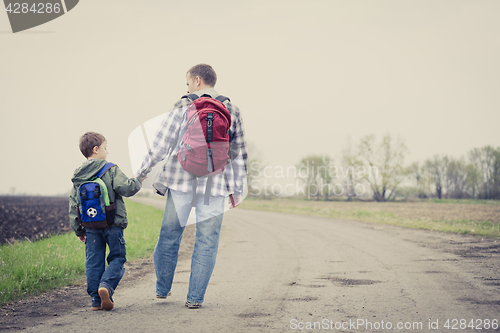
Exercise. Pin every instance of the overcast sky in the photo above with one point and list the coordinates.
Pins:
(306, 75)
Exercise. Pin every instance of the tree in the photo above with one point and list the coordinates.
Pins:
(350, 163)
(314, 170)
(456, 177)
(421, 176)
(435, 167)
(385, 165)
(473, 180)
(487, 162)
(325, 175)
(496, 175)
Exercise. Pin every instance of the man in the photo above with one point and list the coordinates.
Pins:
(177, 184)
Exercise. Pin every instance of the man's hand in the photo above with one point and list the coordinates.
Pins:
(82, 238)
(234, 201)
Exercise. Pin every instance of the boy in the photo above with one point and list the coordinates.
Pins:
(101, 282)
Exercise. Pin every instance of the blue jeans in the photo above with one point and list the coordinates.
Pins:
(95, 251)
(208, 225)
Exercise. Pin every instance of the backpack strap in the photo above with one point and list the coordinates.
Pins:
(98, 180)
(192, 97)
(208, 189)
(104, 189)
(222, 99)
(105, 168)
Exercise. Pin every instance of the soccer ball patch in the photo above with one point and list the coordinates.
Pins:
(92, 212)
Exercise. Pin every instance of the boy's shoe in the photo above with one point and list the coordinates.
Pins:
(96, 305)
(193, 305)
(163, 297)
(106, 301)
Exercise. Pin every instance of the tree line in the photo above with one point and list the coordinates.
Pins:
(377, 169)
(381, 166)
(474, 177)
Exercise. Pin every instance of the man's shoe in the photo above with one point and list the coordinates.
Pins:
(193, 305)
(106, 302)
(163, 297)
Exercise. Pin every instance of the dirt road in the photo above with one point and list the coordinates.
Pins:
(280, 273)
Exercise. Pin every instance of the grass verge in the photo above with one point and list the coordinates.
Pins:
(464, 201)
(480, 228)
(29, 268)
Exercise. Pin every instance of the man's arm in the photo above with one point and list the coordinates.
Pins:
(239, 163)
(165, 139)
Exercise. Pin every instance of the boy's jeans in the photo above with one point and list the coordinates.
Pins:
(209, 221)
(95, 251)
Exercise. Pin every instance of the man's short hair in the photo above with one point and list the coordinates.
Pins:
(204, 71)
(88, 141)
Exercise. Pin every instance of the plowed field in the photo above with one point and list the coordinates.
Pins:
(32, 217)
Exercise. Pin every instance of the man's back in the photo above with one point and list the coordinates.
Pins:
(230, 181)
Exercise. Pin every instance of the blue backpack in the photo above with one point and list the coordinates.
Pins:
(94, 209)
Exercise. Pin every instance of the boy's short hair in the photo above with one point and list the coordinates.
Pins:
(88, 141)
(206, 72)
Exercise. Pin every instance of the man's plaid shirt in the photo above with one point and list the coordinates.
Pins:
(173, 175)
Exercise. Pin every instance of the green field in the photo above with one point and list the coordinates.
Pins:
(464, 201)
(467, 217)
(29, 268)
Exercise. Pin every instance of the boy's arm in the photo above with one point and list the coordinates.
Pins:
(73, 216)
(123, 185)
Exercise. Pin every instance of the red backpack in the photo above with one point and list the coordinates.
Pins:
(203, 146)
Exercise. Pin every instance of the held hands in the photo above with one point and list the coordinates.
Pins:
(141, 178)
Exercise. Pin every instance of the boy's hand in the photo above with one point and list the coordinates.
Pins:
(82, 238)
(141, 178)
